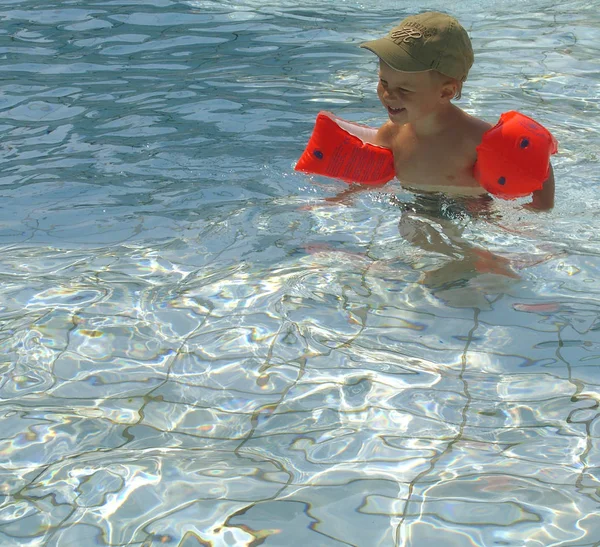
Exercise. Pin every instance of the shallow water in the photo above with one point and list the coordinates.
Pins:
(200, 346)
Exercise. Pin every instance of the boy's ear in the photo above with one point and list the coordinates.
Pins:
(448, 90)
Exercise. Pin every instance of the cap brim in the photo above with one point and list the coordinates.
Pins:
(394, 55)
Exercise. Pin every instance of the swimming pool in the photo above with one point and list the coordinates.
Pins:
(200, 346)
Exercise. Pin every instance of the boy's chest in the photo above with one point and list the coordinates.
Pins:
(441, 161)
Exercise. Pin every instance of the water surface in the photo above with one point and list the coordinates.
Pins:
(200, 346)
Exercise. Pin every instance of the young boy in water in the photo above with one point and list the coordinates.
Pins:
(423, 63)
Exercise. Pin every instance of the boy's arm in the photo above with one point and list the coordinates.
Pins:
(543, 200)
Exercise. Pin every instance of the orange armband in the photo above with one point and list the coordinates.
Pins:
(513, 159)
(341, 149)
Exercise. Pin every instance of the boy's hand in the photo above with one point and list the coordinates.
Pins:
(543, 200)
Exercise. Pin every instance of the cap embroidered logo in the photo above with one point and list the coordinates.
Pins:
(405, 35)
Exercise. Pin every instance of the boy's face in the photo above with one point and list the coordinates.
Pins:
(409, 96)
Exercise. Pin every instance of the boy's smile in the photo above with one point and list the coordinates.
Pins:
(395, 111)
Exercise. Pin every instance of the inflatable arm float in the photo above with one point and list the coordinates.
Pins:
(513, 158)
(343, 150)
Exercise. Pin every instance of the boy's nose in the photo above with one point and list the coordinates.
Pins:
(389, 94)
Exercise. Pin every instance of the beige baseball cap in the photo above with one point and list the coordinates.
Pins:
(428, 41)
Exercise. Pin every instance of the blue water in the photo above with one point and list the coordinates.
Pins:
(200, 346)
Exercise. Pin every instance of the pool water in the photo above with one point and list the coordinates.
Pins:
(200, 346)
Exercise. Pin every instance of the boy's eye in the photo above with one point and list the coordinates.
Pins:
(399, 89)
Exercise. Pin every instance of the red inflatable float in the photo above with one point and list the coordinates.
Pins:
(513, 159)
(342, 150)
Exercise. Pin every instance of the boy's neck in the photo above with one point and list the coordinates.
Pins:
(437, 122)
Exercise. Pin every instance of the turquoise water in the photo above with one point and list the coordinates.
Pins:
(200, 346)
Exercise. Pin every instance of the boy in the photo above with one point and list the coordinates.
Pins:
(423, 63)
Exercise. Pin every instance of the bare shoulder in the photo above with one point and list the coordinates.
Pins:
(386, 134)
(472, 128)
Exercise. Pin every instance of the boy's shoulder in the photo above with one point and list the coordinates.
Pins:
(471, 128)
(461, 127)
(386, 134)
